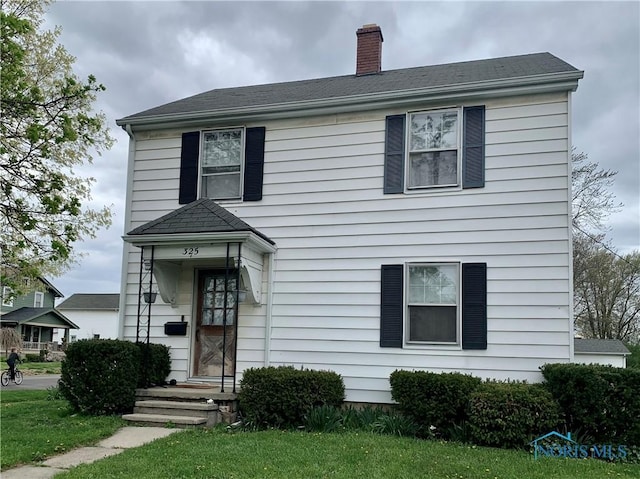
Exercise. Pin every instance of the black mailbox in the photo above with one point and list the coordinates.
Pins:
(175, 328)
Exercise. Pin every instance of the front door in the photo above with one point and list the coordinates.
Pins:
(216, 315)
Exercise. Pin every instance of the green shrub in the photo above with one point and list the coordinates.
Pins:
(511, 415)
(31, 358)
(155, 364)
(395, 424)
(633, 360)
(324, 419)
(602, 402)
(99, 376)
(283, 396)
(433, 400)
(362, 418)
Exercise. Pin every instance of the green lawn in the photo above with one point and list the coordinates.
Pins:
(40, 368)
(292, 455)
(33, 427)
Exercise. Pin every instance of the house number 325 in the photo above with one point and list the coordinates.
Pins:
(190, 252)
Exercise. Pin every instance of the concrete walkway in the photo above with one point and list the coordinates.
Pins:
(125, 438)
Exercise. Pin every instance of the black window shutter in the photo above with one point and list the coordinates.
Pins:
(391, 306)
(473, 148)
(394, 155)
(189, 167)
(253, 163)
(474, 306)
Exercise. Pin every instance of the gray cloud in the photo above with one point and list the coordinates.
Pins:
(150, 53)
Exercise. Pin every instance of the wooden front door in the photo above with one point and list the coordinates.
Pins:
(215, 335)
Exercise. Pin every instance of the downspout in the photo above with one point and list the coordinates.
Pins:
(127, 224)
(267, 328)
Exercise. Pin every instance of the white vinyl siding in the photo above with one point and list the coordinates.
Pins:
(323, 205)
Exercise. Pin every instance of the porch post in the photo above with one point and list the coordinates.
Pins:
(237, 311)
(224, 316)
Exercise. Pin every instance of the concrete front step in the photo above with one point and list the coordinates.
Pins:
(185, 394)
(164, 419)
(183, 408)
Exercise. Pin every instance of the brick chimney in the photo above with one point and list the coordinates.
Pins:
(369, 51)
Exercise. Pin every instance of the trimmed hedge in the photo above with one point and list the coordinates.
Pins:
(511, 415)
(601, 402)
(158, 364)
(433, 399)
(99, 376)
(283, 396)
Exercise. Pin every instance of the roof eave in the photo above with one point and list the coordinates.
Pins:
(250, 237)
(546, 83)
(604, 353)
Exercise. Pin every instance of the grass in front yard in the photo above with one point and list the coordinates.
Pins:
(275, 454)
(41, 368)
(33, 428)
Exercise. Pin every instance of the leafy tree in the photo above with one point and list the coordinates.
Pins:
(633, 360)
(47, 129)
(9, 338)
(606, 291)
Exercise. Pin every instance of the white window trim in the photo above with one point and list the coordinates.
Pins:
(435, 344)
(7, 299)
(243, 135)
(38, 294)
(407, 155)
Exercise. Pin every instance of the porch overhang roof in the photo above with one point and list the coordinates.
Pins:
(202, 221)
(199, 233)
(33, 317)
(256, 242)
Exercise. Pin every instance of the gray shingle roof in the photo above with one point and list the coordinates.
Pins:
(92, 301)
(24, 315)
(350, 85)
(600, 346)
(201, 216)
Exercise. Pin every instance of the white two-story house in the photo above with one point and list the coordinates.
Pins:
(406, 219)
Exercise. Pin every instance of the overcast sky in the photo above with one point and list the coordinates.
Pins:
(151, 53)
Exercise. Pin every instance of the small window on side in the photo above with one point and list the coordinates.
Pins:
(38, 300)
(7, 296)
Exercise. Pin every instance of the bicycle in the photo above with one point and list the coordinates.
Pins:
(6, 377)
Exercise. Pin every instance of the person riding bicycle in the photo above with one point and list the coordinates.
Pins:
(11, 361)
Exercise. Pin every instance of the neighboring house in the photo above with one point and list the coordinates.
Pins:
(610, 352)
(35, 316)
(415, 218)
(96, 315)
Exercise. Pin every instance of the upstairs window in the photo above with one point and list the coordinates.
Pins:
(433, 149)
(225, 164)
(7, 296)
(38, 300)
(221, 164)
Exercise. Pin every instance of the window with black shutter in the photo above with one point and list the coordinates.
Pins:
(434, 303)
(435, 149)
(222, 164)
